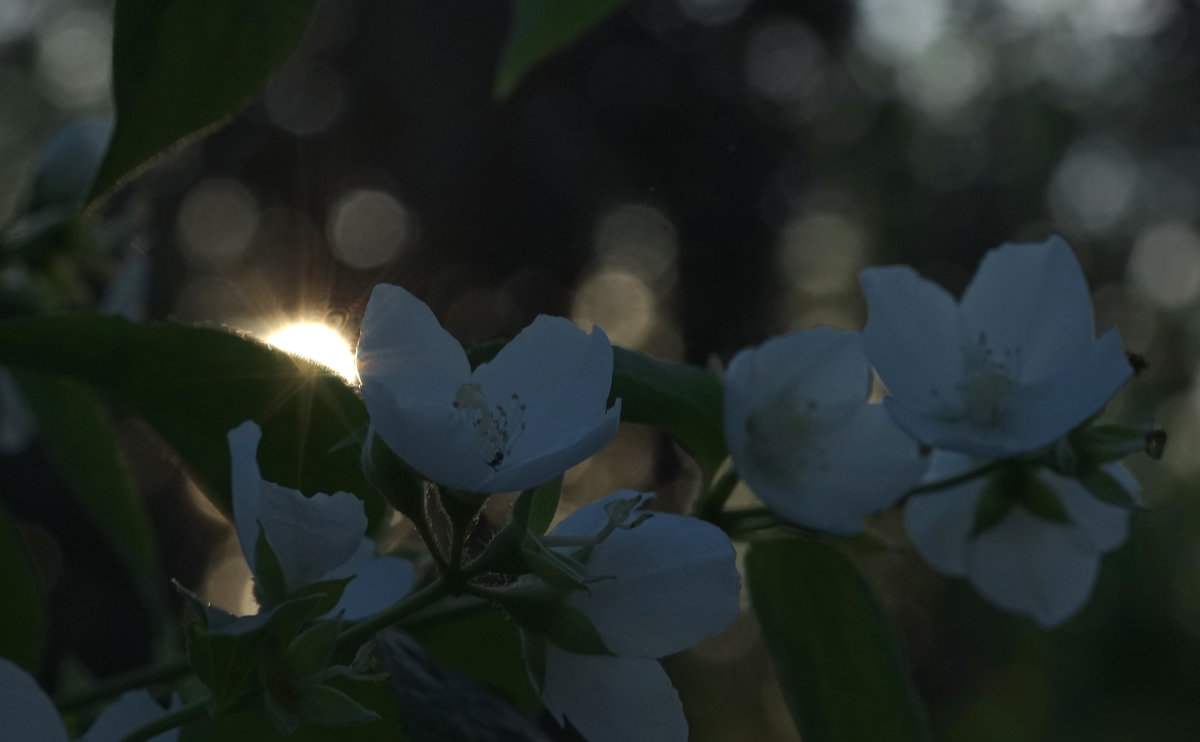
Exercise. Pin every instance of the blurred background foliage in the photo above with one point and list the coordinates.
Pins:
(693, 175)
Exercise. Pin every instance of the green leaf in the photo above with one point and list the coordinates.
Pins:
(329, 707)
(837, 654)
(540, 28)
(486, 648)
(270, 586)
(311, 651)
(993, 507)
(683, 400)
(195, 384)
(561, 623)
(1107, 489)
(80, 440)
(439, 703)
(23, 619)
(182, 66)
(1039, 499)
(544, 506)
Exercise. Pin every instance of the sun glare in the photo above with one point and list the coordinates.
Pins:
(318, 343)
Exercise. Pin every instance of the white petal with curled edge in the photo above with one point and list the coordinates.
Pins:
(404, 349)
(26, 712)
(379, 582)
(132, 710)
(1097, 525)
(1033, 566)
(1033, 297)
(913, 335)
(309, 535)
(613, 699)
(662, 586)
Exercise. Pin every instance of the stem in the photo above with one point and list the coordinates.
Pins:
(712, 503)
(194, 711)
(118, 684)
(963, 476)
(422, 598)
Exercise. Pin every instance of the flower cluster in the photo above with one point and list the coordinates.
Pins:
(1003, 374)
(977, 414)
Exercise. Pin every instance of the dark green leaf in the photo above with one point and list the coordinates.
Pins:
(486, 648)
(185, 65)
(270, 586)
(994, 506)
(1107, 489)
(438, 703)
(540, 28)
(227, 664)
(544, 506)
(311, 651)
(561, 623)
(79, 438)
(194, 385)
(23, 619)
(402, 487)
(1039, 499)
(324, 706)
(836, 652)
(683, 400)
(255, 726)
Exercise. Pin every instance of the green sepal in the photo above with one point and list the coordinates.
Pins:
(559, 571)
(311, 651)
(270, 586)
(1040, 500)
(993, 507)
(282, 717)
(559, 622)
(1107, 489)
(544, 505)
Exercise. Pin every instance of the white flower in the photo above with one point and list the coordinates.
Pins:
(660, 587)
(28, 714)
(314, 538)
(534, 411)
(1012, 367)
(803, 436)
(1026, 563)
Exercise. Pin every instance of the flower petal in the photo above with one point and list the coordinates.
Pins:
(613, 698)
(1032, 566)
(986, 442)
(1033, 297)
(432, 438)
(403, 349)
(1099, 526)
(309, 535)
(867, 464)
(913, 335)
(940, 523)
(379, 582)
(537, 470)
(132, 710)
(26, 712)
(1048, 411)
(1025, 564)
(559, 377)
(666, 584)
